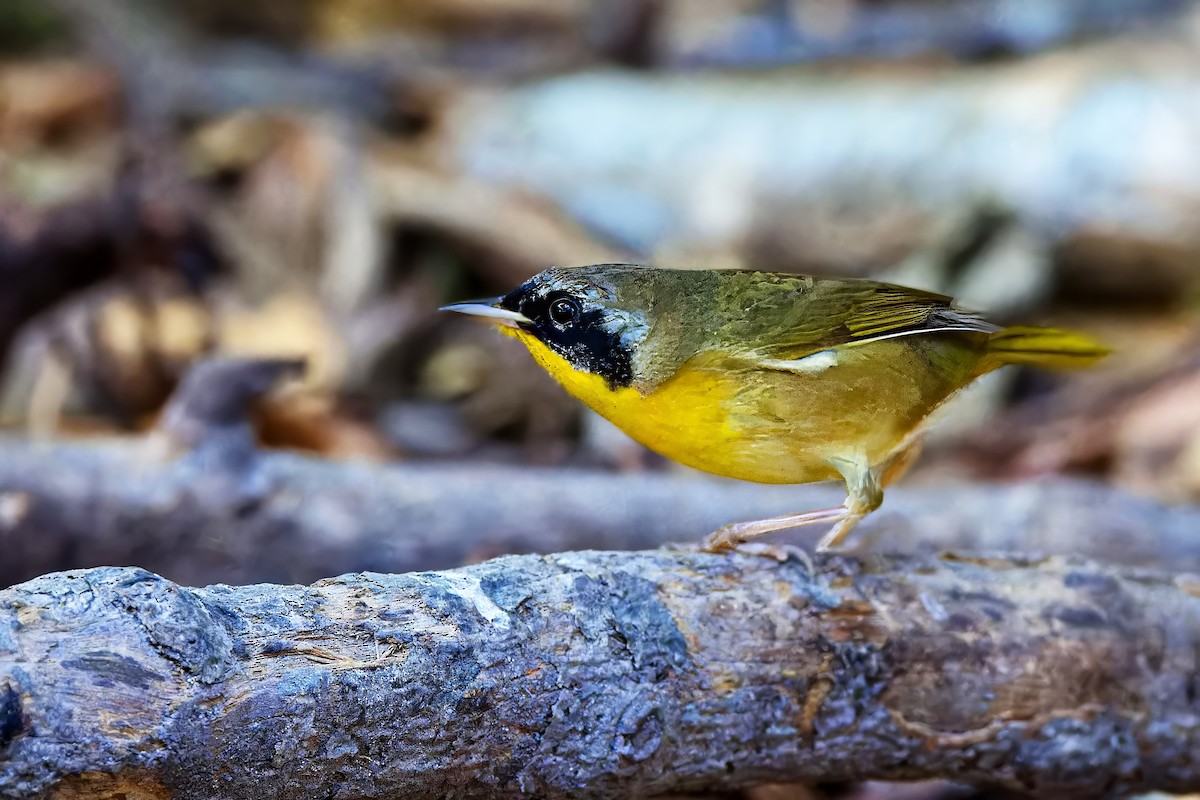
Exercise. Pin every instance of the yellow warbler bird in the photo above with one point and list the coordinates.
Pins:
(766, 377)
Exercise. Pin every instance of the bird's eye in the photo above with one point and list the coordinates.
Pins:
(564, 311)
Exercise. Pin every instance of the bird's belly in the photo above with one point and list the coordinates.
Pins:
(762, 426)
(754, 424)
(703, 420)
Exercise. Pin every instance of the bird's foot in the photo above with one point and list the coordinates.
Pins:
(730, 536)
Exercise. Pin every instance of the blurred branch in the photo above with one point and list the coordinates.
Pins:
(778, 33)
(133, 235)
(211, 507)
(69, 248)
(141, 43)
(801, 168)
(521, 233)
(169, 76)
(602, 675)
(148, 217)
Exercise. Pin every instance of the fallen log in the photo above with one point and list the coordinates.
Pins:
(603, 675)
(199, 502)
(287, 518)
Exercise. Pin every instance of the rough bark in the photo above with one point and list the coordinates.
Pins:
(239, 515)
(602, 675)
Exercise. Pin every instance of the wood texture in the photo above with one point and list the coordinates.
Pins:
(602, 675)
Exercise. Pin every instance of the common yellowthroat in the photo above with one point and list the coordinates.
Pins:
(766, 377)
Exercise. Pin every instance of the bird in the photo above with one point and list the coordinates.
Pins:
(765, 376)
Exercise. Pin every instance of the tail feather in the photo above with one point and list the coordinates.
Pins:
(1043, 347)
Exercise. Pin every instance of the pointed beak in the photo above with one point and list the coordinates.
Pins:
(489, 310)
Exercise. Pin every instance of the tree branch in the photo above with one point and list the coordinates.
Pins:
(200, 503)
(602, 675)
(231, 513)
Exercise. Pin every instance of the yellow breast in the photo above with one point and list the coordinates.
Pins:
(707, 416)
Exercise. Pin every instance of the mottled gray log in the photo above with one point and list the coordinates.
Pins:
(602, 675)
(229, 513)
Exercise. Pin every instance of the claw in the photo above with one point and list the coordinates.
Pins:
(722, 540)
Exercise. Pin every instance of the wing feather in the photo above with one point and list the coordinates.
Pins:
(849, 313)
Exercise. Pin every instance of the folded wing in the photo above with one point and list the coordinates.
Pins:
(835, 314)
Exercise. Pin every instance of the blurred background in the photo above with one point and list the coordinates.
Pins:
(316, 176)
(197, 178)
(187, 179)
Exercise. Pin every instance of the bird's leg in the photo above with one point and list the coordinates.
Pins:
(892, 470)
(730, 536)
(864, 489)
(864, 494)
